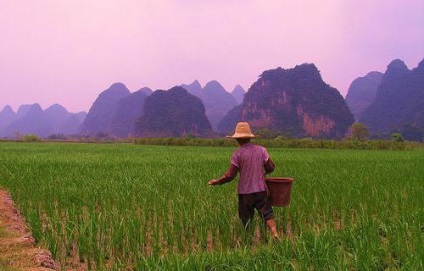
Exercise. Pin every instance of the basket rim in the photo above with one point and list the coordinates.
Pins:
(279, 179)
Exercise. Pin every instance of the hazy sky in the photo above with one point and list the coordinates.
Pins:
(68, 51)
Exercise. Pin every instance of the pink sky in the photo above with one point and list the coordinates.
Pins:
(68, 51)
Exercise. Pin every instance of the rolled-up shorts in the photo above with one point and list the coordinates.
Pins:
(247, 203)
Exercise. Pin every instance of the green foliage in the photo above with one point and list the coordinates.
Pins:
(30, 138)
(138, 207)
(284, 142)
(397, 137)
(267, 133)
(359, 131)
(185, 141)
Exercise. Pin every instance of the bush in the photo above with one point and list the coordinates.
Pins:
(359, 131)
(397, 137)
(31, 138)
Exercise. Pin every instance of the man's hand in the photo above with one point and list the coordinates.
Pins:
(227, 177)
(213, 182)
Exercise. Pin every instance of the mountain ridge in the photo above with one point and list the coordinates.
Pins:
(32, 119)
(399, 104)
(295, 102)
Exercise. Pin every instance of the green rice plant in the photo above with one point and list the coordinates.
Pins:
(125, 206)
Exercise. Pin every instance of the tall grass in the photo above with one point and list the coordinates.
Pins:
(117, 206)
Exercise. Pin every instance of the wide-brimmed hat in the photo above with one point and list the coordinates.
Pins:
(242, 131)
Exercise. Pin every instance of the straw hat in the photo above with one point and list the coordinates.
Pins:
(242, 131)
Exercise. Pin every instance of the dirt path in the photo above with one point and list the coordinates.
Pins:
(17, 247)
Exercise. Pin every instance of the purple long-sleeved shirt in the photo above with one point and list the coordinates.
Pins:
(250, 160)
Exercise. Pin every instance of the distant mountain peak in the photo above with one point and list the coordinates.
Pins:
(118, 89)
(56, 107)
(213, 82)
(362, 92)
(178, 90)
(7, 116)
(395, 70)
(194, 87)
(397, 64)
(307, 69)
(56, 114)
(215, 98)
(307, 66)
(238, 93)
(100, 116)
(292, 101)
(128, 110)
(238, 88)
(421, 65)
(117, 85)
(196, 84)
(35, 108)
(173, 113)
(145, 90)
(7, 109)
(214, 85)
(399, 103)
(32, 119)
(23, 110)
(374, 74)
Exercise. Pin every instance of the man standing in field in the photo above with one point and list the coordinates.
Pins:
(253, 162)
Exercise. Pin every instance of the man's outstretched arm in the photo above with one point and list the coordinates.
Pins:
(227, 177)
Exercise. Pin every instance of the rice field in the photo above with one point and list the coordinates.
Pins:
(135, 207)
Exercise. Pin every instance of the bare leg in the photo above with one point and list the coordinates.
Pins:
(270, 223)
